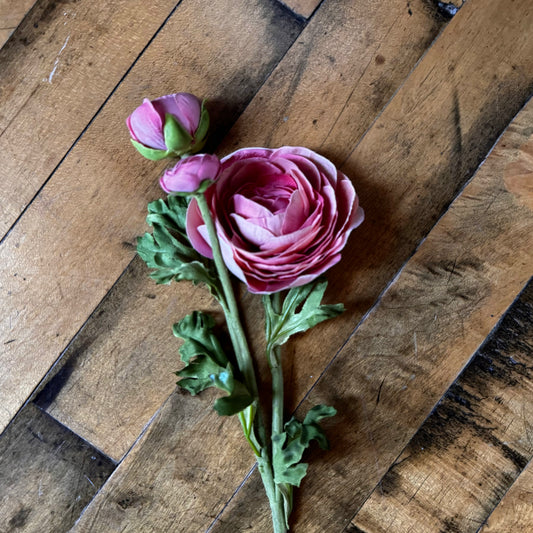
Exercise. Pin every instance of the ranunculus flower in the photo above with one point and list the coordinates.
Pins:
(282, 216)
(191, 174)
(172, 125)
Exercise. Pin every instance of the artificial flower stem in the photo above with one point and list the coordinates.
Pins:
(245, 363)
(275, 499)
(274, 359)
(242, 352)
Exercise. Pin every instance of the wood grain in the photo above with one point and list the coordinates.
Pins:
(409, 350)
(77, 236)
(47, 474)
(385, 240)
(470, 450)
(118, 371)
(11, 13)
(60, 66)
(303, 8)
(130, 326)
(515, 511)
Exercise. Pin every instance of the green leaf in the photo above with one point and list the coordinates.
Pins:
(177, 138)
(301, 311)
(207, 365)
(288, 447)
(167, 249)
(150, 153)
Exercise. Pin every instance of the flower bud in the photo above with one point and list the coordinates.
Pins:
(173, 125)
(192, 174)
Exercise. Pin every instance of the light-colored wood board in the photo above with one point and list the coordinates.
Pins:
(414, 343)
(144, 327)
(59, 67)
(474, 445)
(11, 13)
(169, 482)
(104, 395)
(77, 236)
(515, 512)
(47, 474)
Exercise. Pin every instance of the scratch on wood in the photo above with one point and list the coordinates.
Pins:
(56, 63)
(379, 391)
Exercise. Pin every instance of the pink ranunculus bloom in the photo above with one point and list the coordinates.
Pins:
(189, 174)
(282, 216)
(147, 125)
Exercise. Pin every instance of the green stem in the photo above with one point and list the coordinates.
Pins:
(275, 499)
(244, 360)
(242, 352)
(274, 359)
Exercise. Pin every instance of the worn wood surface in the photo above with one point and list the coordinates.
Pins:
(133, 329)
(47, 474)
(470, 450)
(515, 512)
(11, 13)
(402, 358)
(85, 201)
(410, 129)
(60, 66)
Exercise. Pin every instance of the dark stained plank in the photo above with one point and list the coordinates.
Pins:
(57, 70)
(11, 13)
(411, 347)
(471, 449)
(133, 330)
(515, 512)
(47, 474)
(76, 238)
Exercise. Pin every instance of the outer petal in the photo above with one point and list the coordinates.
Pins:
(184, 106)
(146, 126)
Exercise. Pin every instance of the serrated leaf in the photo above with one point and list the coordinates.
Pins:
(207, 365)
(168, 251)
(301, 311)
(288, 447)
(150, 153)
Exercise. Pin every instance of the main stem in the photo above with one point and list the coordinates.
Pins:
(245, 362)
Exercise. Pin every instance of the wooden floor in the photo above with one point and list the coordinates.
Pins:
(427, 107)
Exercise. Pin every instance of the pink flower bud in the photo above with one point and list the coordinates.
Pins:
(189, 174)
(175, 124)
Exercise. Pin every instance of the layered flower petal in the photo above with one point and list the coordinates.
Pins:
(282, 216)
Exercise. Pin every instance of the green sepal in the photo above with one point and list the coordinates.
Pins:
(203, 126)
(301, 311)
(177, 139)
(207, 365)
(150, 153)
(167, 249)
(288, 447)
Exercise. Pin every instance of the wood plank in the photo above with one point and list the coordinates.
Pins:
(169, 479)
(76, 238)
(132, 326)
(405, 355)
(115, 376)
(472, 447)
(47, 474)
(515, 512)
(304, 8)
(11, 13)
(60, 66)
(366, 281)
